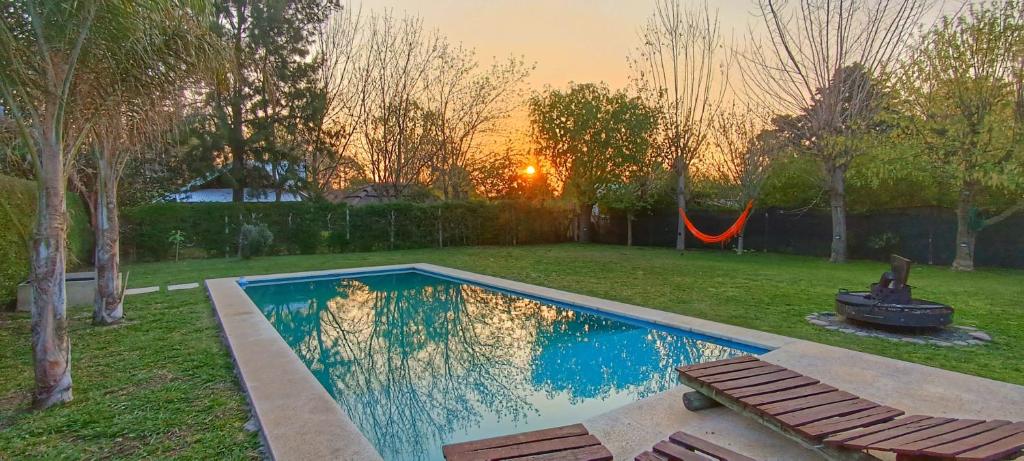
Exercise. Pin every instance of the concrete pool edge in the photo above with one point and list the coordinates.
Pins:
(297, 417)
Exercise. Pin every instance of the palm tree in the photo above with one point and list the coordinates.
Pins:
(64, 63)
(139, 108)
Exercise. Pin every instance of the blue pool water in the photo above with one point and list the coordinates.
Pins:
(418, 361)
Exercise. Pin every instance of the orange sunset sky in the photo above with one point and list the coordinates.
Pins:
(569, 40)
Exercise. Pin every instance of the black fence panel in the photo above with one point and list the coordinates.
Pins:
(925, 235)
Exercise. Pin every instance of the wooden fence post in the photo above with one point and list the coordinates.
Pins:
(440, 230)
(392, 230)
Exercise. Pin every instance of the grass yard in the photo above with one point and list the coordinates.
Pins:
(162, 385)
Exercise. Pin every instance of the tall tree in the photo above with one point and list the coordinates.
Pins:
(398, 129)
(680, 68)
(258, 101)
(468, 101)
(139, 104)
(60, 60)
(819, 58)
(967, 96)
(330, 129)
(588, 135)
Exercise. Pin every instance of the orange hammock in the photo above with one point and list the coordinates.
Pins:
(729, 233)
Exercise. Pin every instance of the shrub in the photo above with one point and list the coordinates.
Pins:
(17, 215)
(304, 228)
(255, 240)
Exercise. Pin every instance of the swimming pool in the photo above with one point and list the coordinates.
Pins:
(418, 360)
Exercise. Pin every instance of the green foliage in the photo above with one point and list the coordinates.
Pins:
(306, 228)
(793, 181)
(594, 137)
(255, 240)
(965, 113)
(177, 238)
(17, 213)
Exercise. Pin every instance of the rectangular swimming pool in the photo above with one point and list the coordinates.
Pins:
(418, 360)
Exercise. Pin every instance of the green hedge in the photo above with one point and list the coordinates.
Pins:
(17, 213)
(211, 229)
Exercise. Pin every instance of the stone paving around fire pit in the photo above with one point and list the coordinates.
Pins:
(956, 335)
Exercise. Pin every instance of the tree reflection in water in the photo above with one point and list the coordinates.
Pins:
(418, 361)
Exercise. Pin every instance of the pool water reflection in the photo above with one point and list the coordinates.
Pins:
(418, 361)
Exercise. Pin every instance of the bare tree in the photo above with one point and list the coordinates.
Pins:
(819, 59)
(331, 139)
(675, 69)
(467, 102)
(395, 70)
(746, 150)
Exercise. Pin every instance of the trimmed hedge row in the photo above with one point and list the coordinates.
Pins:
(212, 229)
(17, 215)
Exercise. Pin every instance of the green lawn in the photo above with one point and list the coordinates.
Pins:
(162, 385)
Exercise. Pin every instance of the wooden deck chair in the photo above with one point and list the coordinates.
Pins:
(838, 424)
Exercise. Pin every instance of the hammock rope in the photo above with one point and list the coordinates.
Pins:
(729, 233)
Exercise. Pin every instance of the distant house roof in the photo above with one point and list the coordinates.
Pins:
(223, 195)
(211, 187)
(370, 193)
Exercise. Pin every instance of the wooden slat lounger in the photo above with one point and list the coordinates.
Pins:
(685, 447)
(575, 443)
(840, 425)
(568, 443)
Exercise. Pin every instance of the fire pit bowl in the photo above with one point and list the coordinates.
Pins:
(889, 303)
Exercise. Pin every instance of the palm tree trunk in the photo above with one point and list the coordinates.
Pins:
(109, 307)
(51, 347)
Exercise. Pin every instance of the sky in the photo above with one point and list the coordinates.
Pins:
(569, 40)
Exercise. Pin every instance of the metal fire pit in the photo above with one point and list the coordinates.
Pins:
(889, 303)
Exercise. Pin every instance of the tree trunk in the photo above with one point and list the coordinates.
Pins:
(681, 204)
(440, 230)
(585, 211)
(739, 240)
(837, 201)
(237, 143)
(629, 228)
(236, 137)
(51, 347)
(108, 308)
(966, 234)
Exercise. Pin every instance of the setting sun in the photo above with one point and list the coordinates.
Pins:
(531, 170)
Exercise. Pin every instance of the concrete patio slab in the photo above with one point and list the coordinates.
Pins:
(914, 388)
(300, 420)
(183, 286)
(139, 291)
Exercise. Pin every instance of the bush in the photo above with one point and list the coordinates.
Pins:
(305, 228)
(17, 215)
(255, 240)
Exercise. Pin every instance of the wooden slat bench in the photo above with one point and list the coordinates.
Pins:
(685, 447)
(568, 443)
(840, 425)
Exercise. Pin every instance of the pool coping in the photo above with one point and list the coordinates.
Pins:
(298, 418)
